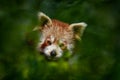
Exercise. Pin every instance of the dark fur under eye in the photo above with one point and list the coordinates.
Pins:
(49, 42)
(61, 45)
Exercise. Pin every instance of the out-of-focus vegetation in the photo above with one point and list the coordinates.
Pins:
(97, 55)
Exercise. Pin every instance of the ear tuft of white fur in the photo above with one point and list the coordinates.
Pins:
(36, 28)
(80, 27)
(43, 16)
(83, 24)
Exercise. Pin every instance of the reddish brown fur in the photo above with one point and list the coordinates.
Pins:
(59, 30)
(59, 23)
(43, 45)
(46, 43)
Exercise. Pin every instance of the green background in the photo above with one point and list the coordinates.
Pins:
(97, 55)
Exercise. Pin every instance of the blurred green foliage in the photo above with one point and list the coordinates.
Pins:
(97, 55)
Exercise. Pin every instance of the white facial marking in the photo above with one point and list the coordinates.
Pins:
(50, 48)
(38, 46)
(41, 41)
(52, 38)
(70, 47)
(59, 53)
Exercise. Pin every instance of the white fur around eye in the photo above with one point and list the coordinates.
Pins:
(52, 38)
(42, 39)
(59, 52)
(70, 47)
(38, 46)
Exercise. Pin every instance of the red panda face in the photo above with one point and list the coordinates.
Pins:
(53, 47)
(55, 39)
(50, 47)
(57, 36)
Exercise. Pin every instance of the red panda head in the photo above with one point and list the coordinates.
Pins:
(57, 36)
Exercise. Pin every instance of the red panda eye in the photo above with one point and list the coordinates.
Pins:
(61, 45)
(49, 42)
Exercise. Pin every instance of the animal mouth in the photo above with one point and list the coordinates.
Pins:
(52, 57)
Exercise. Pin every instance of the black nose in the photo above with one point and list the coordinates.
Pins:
(53, 53)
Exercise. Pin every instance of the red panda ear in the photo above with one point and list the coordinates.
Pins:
(78, 29)
(43, 20)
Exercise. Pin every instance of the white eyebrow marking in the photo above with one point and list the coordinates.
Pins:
(70, 48)
(52, 38)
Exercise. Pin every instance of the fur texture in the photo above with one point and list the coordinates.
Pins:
(57, 36)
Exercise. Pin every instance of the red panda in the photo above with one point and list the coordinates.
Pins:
(57, 36)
